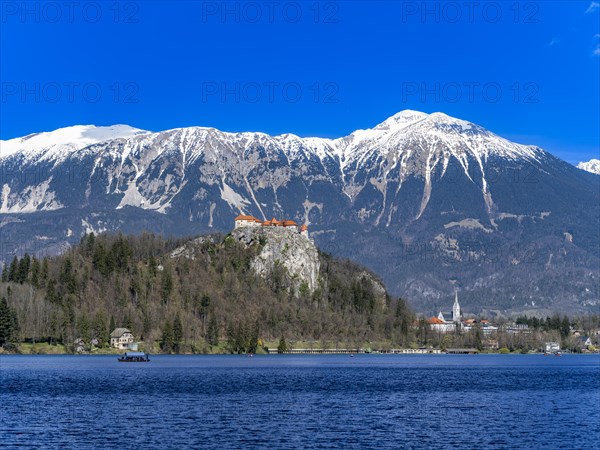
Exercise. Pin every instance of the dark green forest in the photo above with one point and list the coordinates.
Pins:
(211, 302)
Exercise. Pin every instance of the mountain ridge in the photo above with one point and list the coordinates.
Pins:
(92, 134)
(440, 185)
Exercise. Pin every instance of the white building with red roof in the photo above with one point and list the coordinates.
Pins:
(441, 325)
(249, 221)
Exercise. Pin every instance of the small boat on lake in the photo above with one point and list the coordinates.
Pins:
(135, 357)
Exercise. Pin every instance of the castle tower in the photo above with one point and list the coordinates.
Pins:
(304, 231)
(456, 315)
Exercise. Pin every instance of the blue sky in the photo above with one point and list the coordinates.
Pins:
(528, 71)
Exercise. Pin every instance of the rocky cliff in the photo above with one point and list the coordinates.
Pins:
(286, 250)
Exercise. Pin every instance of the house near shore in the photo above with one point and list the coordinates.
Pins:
(79, 345)
(552, 347)
(121, 338)
(584, 342)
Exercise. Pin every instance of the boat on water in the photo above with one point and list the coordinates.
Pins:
(134, 357)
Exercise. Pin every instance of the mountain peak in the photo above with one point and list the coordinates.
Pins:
(592, 166)
(66, 139)
(401, 120)
(442, 120)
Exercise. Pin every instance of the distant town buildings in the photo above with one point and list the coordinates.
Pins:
(518, 328)
(441, 325)
(456, 323)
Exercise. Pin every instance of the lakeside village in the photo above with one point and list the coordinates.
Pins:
(484, 335)
(452, 332)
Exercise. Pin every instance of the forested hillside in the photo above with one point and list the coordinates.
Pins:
(184, 295)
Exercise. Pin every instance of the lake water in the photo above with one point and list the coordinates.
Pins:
(288, 401)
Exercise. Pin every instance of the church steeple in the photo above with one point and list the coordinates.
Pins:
(456, 316)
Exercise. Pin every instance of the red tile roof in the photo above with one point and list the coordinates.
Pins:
(435, 321)
(247, 218)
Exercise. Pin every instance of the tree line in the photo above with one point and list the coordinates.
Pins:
(211, 298)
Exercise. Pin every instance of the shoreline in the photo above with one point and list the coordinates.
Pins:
(437, 353)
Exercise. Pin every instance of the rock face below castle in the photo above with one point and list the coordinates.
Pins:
(284, 248)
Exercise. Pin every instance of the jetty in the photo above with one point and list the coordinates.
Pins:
(462, 351)
(345, 351)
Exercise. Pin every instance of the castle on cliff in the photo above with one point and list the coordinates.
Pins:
(249, 221)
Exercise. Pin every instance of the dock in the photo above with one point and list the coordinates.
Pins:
(346, 351)
(462, 351)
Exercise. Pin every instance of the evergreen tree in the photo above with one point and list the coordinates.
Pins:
(23, 269)
(152, 265)
(129, 322)
(35, 272)
(403, 319)
(13, 270)
(51, 294)
(282, 346)
(565, 327)
(67, 276)
(99, 259)
(83, 328)
(134, 288)
(212, 334)
(112, 325)
(177, 333)
(423, 331)
(8, 322)
(120, 252)
(202, 304)
(146, 324)
(90, 240)
(99, 330)
(166, 285)
(167, 338)
(232, 338)
(44, 272)
(477, 337)
(252, 341)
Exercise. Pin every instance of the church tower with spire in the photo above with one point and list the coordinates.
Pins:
(456, 315)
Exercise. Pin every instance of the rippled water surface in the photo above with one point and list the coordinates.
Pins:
(285, 401)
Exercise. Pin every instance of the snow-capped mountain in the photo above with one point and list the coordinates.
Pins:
(592, 166)
(60, 143)
(426, 200)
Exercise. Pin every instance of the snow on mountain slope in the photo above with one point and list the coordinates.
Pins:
(401, 120)
(420, 198)
(592, 166)
(148, 170)
(387, 137)
(59, 143)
